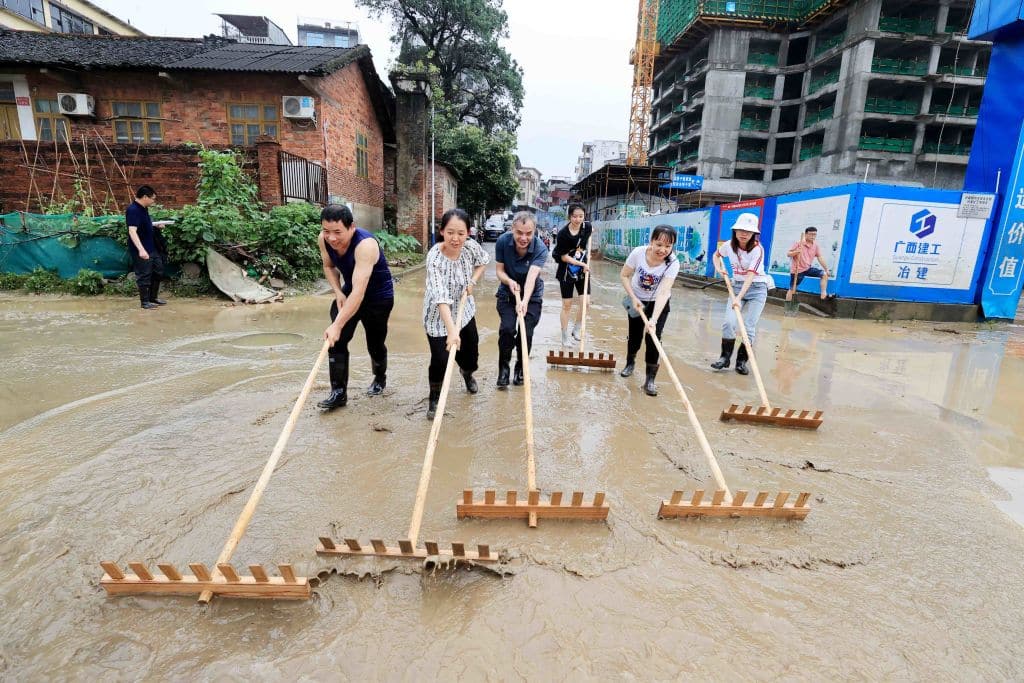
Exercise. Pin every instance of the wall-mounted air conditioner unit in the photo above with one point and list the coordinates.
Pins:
(76, 104)
(298, 107)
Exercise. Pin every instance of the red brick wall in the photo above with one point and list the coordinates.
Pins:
(346, 109)
(172, 170)
(194, 106)
(445, 192)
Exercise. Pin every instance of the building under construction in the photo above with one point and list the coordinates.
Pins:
(770, 96)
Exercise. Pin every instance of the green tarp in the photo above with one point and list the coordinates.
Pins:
(65, 243)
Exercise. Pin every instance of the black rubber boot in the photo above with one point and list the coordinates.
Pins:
(741, 360)
(435, 396)
(471, 385)
(380, 378)
(503, 371)
(649, 387)
(627, 369)
(517, 376)
(154, 289)
(727, 348)
(144, 298)
(338, 370)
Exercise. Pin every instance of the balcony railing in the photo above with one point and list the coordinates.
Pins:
(946, 148)
(904, 67)
(822, 114)
(763, 58)
(753, 123)
(975, 72)
(881, 105)
(914, 26)
(763, 92)
(828, 43)
(809, 152)
(894, 145)
(823, 80)
(961, 110)
(752, 156)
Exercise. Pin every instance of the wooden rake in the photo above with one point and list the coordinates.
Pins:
(224, 580)
(581, 359)
(408, 547)
(532, 508)
(722, 502)
(765, 413)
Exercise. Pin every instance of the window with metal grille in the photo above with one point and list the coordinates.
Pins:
(246, 122)
(49, 122)
(362, 156)
(137, 122)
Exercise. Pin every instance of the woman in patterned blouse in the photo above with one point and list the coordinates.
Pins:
(454, 265)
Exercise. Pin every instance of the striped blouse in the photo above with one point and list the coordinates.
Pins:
(446, 280)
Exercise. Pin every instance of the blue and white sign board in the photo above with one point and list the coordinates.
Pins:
(794, 215)
(916, 244)
(618, 238)
(681, 181)
(1001, 291)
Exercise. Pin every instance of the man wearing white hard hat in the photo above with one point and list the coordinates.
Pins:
(750, 282)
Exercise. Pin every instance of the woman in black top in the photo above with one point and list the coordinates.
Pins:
(570, 253)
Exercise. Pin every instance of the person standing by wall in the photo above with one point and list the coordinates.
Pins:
(802, 255)
(648, 276)
(367, 296)
(454, 265)
(750, 282)
(147, 260)
(519, 256)
(573, 262)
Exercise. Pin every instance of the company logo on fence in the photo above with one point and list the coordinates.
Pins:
(922, 224)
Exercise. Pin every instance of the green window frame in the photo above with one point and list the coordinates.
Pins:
(249, 120)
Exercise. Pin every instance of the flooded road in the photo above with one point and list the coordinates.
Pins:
(138, 435)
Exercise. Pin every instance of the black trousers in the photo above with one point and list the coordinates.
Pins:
(636, 334)
(508, 329)
(374, 316)
(467, 357)
(146, 269)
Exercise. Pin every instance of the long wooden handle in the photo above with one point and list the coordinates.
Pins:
(254, 498)
(435, 431)
(746, 342)
(705, 446)
(524, 354)
(586, 290)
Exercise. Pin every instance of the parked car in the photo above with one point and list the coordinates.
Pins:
(493, 232)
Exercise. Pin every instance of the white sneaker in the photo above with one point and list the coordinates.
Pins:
(565, 338)
(576, 332)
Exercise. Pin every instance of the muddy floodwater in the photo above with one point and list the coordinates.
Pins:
(138, 435)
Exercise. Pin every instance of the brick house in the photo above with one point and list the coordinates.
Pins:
(446, 189)
(311, 122)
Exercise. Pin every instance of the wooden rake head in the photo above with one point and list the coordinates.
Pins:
(582, 359)
(228, 584)
(406, 550)
(697, 506)
(512, 507)
(804, 419)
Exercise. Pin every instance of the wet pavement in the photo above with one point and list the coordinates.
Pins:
(138, 435)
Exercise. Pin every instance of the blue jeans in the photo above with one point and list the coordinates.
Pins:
(751, 307)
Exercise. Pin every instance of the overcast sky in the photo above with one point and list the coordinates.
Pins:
(574, 55)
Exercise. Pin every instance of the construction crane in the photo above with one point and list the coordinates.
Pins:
(642, 58)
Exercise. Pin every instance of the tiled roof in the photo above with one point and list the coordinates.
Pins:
(170, 54)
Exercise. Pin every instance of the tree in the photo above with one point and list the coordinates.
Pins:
(485, 164)
(479, 80)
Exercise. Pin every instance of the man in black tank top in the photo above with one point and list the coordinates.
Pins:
(367, 295)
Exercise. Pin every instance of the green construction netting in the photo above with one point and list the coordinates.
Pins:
(65, 243)
(675, 16)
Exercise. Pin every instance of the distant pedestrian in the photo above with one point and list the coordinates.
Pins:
(570, 252)
(519, 256)
(367, 296)
(751, 284)
(147, 260)
(802, 255)
(454, 265)
(648, 276)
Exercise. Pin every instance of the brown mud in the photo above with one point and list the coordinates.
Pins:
(129, 434)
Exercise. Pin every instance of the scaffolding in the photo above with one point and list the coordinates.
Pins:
(675, 17)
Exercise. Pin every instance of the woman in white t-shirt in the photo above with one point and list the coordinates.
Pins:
(647, 277)
(751, 284)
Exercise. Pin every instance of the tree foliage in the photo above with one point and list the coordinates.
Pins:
(484, 163)
(480, 81)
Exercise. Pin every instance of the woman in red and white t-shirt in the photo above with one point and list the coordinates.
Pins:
(751, 284)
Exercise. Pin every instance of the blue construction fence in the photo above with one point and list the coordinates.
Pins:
(65, 243)
(880, 241)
